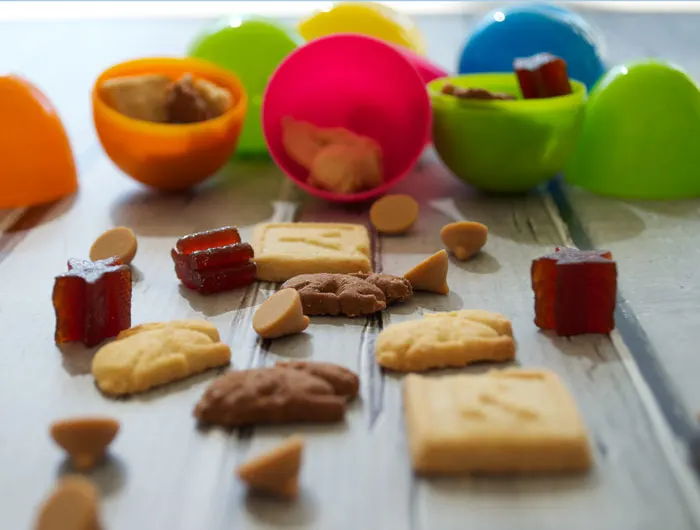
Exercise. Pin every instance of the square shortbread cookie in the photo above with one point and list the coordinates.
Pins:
(285, 250)
(509, 421)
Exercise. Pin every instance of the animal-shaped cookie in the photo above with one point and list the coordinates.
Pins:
(445, 340)
(153, 356)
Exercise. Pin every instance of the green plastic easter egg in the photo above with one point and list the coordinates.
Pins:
(252, 48)
(640, 135)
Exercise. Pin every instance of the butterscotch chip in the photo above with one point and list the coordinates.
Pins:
(394, 214)
(142, 97)
(73, 505)
(430, 274)
(155, 357)
(351, 295)
(443, 340)
(345, 382)
(346, 168)
(202, 326)
(269, 396)
(508, 421)
(464, 238)
(85, 439)
(280, 315)
(277, 471)
(285, 250)
(120, 242)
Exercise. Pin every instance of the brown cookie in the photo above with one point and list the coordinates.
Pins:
(269, 396)
(474, 93)
(344, 382)
(185, 103)
(395, 288)
(351, 295)
(337, 294)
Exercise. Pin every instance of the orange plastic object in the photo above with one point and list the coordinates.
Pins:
(36, 161)
(170, 157)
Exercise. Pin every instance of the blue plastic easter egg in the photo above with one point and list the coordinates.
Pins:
(523, 30)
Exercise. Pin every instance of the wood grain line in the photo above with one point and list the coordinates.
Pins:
(632, 333)
(284, 210)
(369, 369)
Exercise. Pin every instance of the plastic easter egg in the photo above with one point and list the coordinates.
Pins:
(366, 18)
(361, 84)
(640, 134)
(251, 48)
(524, 30)
(36, 161)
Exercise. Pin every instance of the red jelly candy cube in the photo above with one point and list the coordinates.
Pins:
(542, 76)
(543, 276)
(218, 279)
(219, 237)
(586, 296)
(575, 291)
(92, 301)
(235, 254)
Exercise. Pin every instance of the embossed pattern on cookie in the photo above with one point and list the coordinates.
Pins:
(509, 421)
(285, 250)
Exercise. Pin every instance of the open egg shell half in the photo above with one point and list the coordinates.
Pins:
(36, 161)
(640, 134)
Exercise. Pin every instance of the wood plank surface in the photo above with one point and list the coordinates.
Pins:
(655, 243)
(165, 473)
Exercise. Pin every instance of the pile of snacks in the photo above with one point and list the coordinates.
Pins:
(337, 159)
(541, 76)
(160, 99)
(455, 424)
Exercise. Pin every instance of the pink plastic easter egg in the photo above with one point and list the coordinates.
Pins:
(356, 82)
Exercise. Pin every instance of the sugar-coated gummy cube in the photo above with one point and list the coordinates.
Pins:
(219, 237)
(237, 253)
(217, 279)
(214, 261)
(542, 76)
(575, 291)
(92, 301)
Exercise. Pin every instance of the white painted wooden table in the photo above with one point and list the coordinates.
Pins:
(637, 395)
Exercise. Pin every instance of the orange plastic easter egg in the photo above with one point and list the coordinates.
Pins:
(36, 161)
